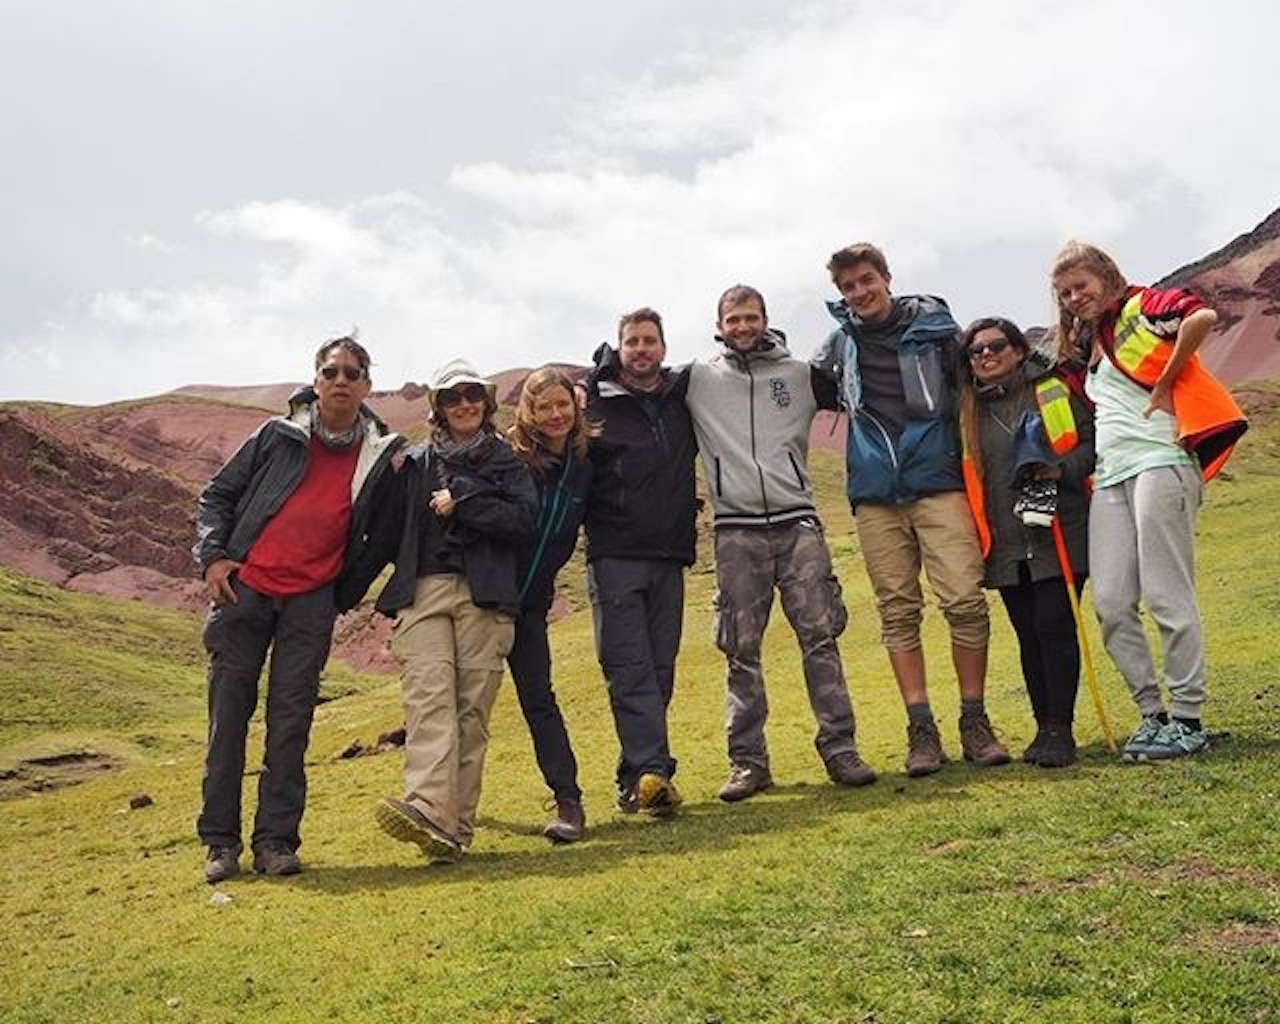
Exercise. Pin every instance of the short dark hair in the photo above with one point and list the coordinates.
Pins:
(347, 343)
(737, 295)
(643, 315)
(859, 252)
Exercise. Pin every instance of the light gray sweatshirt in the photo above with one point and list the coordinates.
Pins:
(751, 415)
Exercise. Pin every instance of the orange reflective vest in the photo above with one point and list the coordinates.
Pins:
(1053, 400)
(1208, 419)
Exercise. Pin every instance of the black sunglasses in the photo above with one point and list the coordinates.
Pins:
(450, 397)
(351, 373)
(994, 347)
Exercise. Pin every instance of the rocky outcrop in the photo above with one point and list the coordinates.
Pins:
(1242, 282)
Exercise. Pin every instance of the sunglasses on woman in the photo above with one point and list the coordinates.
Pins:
(981, 349)
(449, 397)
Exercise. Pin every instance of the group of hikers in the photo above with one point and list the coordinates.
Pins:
(971, 454)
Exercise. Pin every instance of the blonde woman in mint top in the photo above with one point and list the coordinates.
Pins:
(1164, 425)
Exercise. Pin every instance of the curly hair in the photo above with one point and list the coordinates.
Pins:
(527, 441)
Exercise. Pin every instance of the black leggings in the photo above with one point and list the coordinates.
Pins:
(1041, 616)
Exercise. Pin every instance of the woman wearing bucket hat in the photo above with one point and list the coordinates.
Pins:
(1027, 445)
(470, 504)
(550, 435)
(1165, 425)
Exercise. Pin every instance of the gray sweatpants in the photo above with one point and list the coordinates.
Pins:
(1142, 549)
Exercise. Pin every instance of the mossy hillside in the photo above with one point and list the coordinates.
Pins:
(1101, 893)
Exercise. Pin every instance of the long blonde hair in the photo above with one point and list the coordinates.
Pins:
(527, 440)
(1073, 337)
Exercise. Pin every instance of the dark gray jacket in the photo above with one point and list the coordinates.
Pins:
(495, 515)
(255, 482)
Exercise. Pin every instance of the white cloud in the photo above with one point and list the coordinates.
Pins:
(941, 130)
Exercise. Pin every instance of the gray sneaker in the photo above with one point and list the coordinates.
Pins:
(745, 780)
(1174, 740)
(222, 862)
(276, 859)
(848, 769)
(1137, 744)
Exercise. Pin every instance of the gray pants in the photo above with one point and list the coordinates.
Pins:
(638, 607)
(750, 564)
(1142, 549)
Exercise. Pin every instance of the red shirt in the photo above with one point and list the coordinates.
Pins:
(302, 547)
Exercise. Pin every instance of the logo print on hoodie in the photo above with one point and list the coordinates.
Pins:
(779, 393)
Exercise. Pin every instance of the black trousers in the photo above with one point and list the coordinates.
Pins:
(530, 664)
(1040, 613)
(298, 632)
(638, 608)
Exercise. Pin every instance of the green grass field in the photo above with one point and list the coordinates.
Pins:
(1102, 893)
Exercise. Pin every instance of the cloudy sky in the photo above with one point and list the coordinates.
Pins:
(201, 192)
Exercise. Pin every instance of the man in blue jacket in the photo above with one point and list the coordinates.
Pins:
(893, 360)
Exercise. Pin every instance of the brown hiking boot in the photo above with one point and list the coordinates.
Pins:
(924, 749)
(979, 743)
(848, 769)
(570, 823)
(405, 822)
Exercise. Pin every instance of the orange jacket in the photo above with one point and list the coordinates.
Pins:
(1139, 339)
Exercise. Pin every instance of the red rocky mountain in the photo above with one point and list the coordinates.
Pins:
(102, 498)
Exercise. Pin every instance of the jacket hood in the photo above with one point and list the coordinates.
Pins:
(772, 347)
(908, 307)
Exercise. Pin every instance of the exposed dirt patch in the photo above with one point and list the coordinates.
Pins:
(1242, 937)
(38, 774)
(1196, 870)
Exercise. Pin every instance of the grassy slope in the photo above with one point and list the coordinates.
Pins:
(1103, 893)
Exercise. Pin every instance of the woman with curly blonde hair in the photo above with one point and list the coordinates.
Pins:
(550, 436)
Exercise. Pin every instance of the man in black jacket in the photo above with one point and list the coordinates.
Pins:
(640, 537)
(278, 529)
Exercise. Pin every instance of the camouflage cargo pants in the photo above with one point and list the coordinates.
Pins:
(795, 560)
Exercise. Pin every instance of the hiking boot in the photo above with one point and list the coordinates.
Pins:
(657, 796)
(745, 780)
(276, 859)
(848, 769)
(1136, 745)
(924, 748)
(570, 822)
(223, 862)
(626, 801)
(1176, 739)
(1036, 747)
(1059, 749)
(405, 822)
(979, 744)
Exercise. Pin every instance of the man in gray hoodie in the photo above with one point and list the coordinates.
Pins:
(752, 407)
